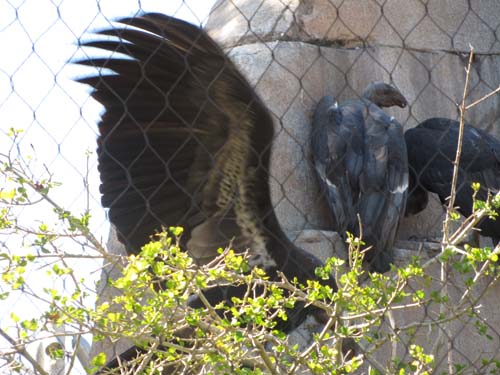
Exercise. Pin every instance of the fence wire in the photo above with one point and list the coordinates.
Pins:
(292, 53)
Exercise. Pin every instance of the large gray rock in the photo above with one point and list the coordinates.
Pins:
(292, 76)
(449, 25)
(466, 339)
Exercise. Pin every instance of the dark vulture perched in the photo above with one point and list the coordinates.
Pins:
(432, 147)
(185, 141)
(361, 163)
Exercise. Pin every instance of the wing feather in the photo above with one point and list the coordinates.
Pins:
(432, 146)
(184, 138)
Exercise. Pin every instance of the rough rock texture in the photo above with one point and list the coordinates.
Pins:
(305, 72)
(468, 345)
(295, 52)
(415, 24)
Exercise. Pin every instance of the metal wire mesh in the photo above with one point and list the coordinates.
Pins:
(292, 53)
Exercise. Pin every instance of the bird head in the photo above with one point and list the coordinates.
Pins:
(384, 95)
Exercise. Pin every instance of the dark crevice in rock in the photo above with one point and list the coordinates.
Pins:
(344, 44)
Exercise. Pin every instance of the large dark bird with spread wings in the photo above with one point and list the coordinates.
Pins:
(185, 141)
(432, 148)
(360, 160)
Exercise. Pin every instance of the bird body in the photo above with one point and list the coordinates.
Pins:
(185, 141)
(432, 147)
(361, 163)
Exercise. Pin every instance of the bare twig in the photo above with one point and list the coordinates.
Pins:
(21, 174)
(271, 367)
(451, 202)
(456, 163)
(21, 349)
(483, 98)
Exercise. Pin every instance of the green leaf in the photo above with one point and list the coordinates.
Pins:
(14, 317)
(7, 195)
(99, 360)
(31, 325)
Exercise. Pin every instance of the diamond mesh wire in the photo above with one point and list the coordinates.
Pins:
(293, 53)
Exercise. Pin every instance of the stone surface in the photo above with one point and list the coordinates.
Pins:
(468, 345)
(304, 73)
(323, 244)
(236, 22)
(431, 25)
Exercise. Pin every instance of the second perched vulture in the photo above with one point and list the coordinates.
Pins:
(361, 163)
(432, 146)
(185, 141)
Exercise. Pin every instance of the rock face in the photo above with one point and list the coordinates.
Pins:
(468, 346)
(428, 25)
(295, 52)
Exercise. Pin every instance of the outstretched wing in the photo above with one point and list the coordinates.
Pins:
(184, 139)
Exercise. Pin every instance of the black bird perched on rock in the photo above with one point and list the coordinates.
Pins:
(361, 163)
(185, 141)
(432, 148)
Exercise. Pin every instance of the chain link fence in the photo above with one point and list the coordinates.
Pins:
(293, 53)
